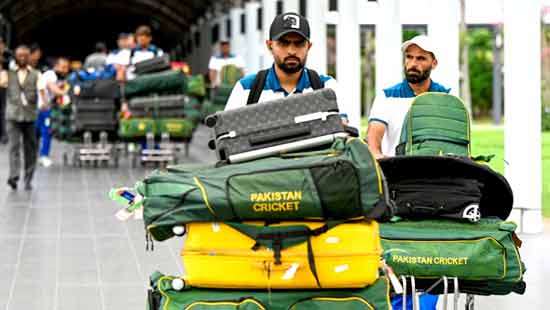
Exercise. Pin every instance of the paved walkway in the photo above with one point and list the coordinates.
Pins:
(61, 247)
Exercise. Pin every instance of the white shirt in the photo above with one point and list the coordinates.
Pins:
(121, 57)
(48, 77)
(217, 62)
(390, 112)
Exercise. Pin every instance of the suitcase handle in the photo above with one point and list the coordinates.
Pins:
(287, 134)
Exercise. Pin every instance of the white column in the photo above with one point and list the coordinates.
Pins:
(317, 57)
(222, 22)
(269, 9)
(522, 100)
(291, 6)
(443, 28)
(348, 61)
(389, 59)
(252, 37)
(237, 39)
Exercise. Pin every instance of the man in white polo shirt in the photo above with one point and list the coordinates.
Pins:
(289, 44)
(390, 107)
(224, 58)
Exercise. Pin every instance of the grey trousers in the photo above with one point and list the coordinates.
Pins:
(22, 137)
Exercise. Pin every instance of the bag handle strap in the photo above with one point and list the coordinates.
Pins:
(257, 87)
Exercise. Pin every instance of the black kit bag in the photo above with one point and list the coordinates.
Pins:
(153, 65)
(446, 187)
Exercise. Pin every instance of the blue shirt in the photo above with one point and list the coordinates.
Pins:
(273, 90)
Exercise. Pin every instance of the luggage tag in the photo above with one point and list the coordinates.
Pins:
(132, 203)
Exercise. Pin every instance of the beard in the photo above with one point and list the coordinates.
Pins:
(288, 67)
(415, 76)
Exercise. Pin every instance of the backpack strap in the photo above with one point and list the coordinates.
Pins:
(257, 87)
(259, 81)
(314, 79)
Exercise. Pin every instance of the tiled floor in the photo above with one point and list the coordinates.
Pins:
(62, 248)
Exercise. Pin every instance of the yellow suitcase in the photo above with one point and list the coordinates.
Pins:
(218, 256)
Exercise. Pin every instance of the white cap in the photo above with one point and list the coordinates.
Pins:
(422, 41)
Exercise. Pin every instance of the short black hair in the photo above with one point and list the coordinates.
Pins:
(143, 30)
(35, 47)
(123, 35)
(60, 59)
(22, 47)
(224, 42)
(100, 47)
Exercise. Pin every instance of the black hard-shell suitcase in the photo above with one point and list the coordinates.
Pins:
(93, 114)
(296, 123)
(159, 106)
(152, 65)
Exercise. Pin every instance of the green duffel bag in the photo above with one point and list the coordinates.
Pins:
(173, 81)
(339, 183)
(176, 127)
(135, 127)
(196, 86)
(172, 293)
(209, 108)
(484, 255)
(436, 124)
(221, 94)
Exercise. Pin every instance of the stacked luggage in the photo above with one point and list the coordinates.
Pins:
(451, 233)
(281, 222)
(94, 106)
(230, 75)
(90, 106)
(159, 103)
(277, 230)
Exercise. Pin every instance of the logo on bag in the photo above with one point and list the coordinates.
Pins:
(429, 260)
(276, 201)
(472, 213)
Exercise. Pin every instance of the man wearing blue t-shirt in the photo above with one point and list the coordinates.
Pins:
(289, 43)
(390, 107)
(389, 110)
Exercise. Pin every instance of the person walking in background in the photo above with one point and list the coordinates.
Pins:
(37, 59)
(53, 82)
(98, 59)
(224, 58)
(23, 85)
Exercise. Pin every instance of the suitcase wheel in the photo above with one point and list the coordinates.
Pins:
(211, 120)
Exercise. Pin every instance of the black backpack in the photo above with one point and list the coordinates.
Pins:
(259, 82)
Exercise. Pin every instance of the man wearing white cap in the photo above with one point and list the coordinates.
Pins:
(390, 107)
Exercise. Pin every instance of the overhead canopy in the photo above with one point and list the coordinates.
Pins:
(71, 27)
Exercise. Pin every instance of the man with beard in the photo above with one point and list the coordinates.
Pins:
(289, 44)
(23, 84)
(389, 108)
(54, 83)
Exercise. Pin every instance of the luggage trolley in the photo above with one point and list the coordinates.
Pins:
(88, 153)
(403, 286)
(162, 153)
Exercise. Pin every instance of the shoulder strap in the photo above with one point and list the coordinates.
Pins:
(257, 87)
(314, 79)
